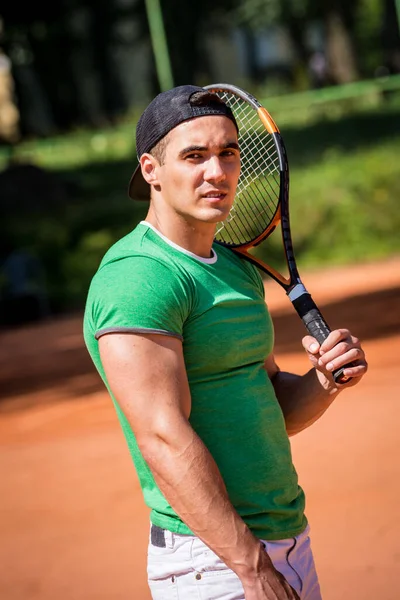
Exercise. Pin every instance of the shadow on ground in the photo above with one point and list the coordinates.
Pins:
(370, 316)
(52, 354)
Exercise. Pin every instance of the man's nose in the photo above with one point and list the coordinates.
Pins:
(214, 169)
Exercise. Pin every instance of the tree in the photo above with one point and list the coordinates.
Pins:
(390, 36)
(336, 17)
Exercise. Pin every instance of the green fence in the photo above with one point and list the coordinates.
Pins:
(336, 101)
(84, 147)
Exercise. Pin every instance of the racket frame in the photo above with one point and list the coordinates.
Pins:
(295, 290)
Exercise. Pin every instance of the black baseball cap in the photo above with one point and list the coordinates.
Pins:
(168, 110)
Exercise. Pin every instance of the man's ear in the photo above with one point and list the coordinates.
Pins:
(149, 166)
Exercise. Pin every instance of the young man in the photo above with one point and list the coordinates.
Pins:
(180, 333)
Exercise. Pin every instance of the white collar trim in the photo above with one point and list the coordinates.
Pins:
(207, 261)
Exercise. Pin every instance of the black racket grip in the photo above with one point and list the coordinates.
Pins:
(317, 327)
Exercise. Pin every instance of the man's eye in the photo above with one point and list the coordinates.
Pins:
(228, 153)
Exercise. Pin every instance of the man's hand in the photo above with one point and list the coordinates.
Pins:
(339, 349)
(268, 583)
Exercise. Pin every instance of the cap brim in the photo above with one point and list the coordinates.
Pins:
(138, 188)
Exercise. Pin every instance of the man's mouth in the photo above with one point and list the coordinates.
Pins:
(215, 194)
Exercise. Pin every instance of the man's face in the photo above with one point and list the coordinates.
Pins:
(199, 174)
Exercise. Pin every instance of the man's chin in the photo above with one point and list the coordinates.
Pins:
(215, 215)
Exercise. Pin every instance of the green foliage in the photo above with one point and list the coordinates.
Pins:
(345, 208)
(345, 184)
(344, 195)
(82, 261)
(368, 20)
(257, 14)
(77, 148)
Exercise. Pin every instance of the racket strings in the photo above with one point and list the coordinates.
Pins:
(258, 187)
(259, 145)
(260, 142)
(258, 160)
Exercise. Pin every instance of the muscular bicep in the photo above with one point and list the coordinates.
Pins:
(147, 376)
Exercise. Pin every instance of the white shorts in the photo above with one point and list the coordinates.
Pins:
(182, 567)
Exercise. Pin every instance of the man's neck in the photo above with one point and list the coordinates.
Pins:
(196, 237)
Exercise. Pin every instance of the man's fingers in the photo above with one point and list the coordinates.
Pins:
(339, 356)
(336, 337)
(337, 343)
(340, 349)
(310, 344)
(291, 592)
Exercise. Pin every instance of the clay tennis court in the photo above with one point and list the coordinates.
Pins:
(73, 525)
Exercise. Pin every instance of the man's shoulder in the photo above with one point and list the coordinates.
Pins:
(137, 287)
(136, 250)
(135, 266)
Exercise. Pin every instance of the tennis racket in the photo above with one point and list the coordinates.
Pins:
(262, 203)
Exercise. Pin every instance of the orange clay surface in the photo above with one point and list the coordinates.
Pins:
(73, 525)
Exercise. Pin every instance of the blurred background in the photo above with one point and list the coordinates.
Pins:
(74, 77)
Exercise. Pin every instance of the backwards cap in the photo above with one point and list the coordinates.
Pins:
(168, 110)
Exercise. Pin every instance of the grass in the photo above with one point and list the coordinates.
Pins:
(345, 185)
(344, 208)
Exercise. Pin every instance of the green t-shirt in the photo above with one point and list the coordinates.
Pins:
(216, 306)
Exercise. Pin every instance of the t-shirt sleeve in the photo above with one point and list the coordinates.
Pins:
(138, 294)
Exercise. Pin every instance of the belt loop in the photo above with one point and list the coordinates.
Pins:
(157, 536)
(169, 538)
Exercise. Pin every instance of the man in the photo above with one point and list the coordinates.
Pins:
(180, 333)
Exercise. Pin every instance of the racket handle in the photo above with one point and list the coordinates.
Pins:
(317, 327)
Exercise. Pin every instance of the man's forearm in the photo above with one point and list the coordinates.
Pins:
(302, 398)
(190, 480)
